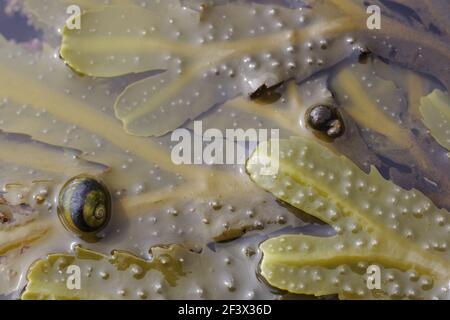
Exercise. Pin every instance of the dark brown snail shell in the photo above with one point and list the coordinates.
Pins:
(326, 119)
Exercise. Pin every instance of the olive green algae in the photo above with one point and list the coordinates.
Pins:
(435, 110)
(376, 223)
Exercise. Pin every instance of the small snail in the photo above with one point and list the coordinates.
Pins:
(84, 205)
(326, 119)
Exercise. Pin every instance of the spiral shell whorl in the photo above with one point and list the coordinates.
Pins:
(84, 205)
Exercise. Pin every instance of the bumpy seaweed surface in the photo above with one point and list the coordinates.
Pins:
(376, 223)
(151, 66)
(435, 110)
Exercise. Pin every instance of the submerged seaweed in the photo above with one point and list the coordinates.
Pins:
(208, 56)
(435, 110)
(242, 65)
(176, 202)
(377, 223)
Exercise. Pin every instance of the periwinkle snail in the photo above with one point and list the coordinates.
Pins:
(326, 119)
(84, 205)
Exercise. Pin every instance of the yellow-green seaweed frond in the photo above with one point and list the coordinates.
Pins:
(103, 277)
(435, 110)
(376, 222)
